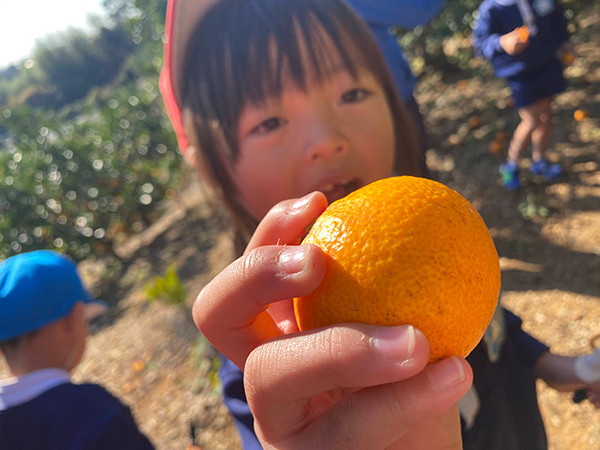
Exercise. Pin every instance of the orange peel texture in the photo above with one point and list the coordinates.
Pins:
(406, 250)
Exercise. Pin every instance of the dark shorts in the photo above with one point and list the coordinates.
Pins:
(528, 89)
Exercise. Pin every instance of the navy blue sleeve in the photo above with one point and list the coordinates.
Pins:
(234, 397)
(120, 432)
(486, 38)
(527, 347)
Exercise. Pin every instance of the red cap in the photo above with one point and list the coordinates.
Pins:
(182, 17)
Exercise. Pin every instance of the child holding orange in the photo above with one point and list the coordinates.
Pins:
(273, 100)
(521, 39)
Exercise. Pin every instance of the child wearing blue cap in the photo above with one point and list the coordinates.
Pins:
(44, 313)
(521, 39)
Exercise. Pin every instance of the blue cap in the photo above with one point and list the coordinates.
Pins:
(38, 288)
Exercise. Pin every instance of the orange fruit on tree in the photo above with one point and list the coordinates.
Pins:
(568, 58)
(474, 121)
(495, 146)
(581, 114)
(501, 136)
(406, 250)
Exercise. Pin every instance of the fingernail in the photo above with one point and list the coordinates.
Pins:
(293, 259)
(302, 202)
(395, 342)
(447, 373)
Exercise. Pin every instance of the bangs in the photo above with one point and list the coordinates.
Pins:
(247, 51)
(273, 42)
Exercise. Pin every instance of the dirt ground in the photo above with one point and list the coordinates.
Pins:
(547, 236)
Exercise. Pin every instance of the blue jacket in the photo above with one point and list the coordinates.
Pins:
(380, 15)
(498, 17)
(71, 417)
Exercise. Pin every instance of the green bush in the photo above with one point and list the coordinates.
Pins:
(83, 178)
(168, 289)
(81, 182)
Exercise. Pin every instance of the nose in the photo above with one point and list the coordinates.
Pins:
(325, 141)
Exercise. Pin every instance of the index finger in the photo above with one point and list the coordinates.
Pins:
(231, 310)
(287, 221)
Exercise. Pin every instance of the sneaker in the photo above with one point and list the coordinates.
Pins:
(547, 170)
(510, 176)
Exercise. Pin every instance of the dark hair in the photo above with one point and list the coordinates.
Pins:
(237, 54)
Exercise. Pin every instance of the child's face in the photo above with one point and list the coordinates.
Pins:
(335, 136)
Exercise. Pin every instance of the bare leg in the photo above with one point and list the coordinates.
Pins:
(523, 134)
(540, 137)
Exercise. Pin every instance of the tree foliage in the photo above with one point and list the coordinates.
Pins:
(72, 63)
(81, 178)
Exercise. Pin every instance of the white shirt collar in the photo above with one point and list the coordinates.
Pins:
(16, 391)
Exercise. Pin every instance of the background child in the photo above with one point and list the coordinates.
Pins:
(527, 58)
(279, 99)
(44, 313)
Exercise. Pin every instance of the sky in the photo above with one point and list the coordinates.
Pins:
(23, 21)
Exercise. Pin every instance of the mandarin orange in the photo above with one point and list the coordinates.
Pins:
(501, 136)
(523, 33)
(568, 58)
(474, 121)
(406, 250)
(581, 114)
(495, 146)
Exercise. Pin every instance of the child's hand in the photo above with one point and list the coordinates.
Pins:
(272, 271)
(512, 43)
(353, 386)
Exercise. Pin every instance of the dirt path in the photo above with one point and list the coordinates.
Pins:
(547, 235)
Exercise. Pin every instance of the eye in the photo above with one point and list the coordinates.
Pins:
(355, 95)
(268, 125)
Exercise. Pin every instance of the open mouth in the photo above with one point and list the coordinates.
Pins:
(335, 191)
